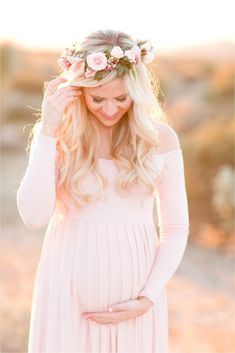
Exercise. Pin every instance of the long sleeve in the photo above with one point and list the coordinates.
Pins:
(36, 195)
(173, 225)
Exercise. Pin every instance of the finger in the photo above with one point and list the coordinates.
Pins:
(62, 95)
(107, 322)
(107, 316)
(52, 85)
(65, 90)
(62, 99)
(66, 102)
(91, 313)
(103, 321)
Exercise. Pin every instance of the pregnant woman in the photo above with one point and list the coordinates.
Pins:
(101, 154)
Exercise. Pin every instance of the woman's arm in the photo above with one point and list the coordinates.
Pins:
(36, 195)
(173, 218)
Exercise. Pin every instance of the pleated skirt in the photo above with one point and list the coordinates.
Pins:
(86, 266)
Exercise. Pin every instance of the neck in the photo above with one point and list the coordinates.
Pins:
(105, 136)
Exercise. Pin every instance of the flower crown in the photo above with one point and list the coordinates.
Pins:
(77, 63)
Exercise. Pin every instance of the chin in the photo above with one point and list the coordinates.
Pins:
(110, 122)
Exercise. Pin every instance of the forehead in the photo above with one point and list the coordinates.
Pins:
(116, 87)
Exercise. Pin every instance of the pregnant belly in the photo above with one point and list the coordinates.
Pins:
(99, 264)
(111, 262)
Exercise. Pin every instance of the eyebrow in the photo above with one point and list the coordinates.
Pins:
(94, 96)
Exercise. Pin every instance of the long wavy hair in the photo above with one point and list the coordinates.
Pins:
(133, 139)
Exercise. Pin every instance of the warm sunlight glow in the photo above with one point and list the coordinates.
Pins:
(170, 25)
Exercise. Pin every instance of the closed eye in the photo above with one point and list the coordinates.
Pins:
(96, 100)
(122, 99)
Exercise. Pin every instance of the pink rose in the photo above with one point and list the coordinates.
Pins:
(67, 53)
(133, 54)
(97, 61)
(89, 72)
(78, 67)
(64, 63)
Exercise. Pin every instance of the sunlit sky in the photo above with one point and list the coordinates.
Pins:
(170, 25)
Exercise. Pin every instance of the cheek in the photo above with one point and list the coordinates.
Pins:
(126, 106)
(91, 105)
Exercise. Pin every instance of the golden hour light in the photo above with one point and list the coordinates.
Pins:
(117, 173)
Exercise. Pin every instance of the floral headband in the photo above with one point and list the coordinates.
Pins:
(78, 64)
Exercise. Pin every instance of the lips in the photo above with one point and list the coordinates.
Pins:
(108, 117)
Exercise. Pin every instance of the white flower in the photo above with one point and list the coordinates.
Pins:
(97, 61)
(147, 46)
(148, 57)
(129, 53)
(117, 52)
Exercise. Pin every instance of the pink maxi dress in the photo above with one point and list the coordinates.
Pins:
(106, 253)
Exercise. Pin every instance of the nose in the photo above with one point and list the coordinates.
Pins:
(110, 108)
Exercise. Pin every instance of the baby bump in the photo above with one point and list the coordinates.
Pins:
(112, 263)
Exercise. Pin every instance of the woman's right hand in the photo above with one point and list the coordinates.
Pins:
(54, 102)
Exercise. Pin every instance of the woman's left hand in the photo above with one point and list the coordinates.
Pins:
(121, 312)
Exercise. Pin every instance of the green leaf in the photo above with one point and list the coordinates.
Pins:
(107, 53)
(98, 75)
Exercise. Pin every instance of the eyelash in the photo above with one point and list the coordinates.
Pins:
(100, 100)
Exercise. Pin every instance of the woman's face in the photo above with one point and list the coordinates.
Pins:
(108, 102)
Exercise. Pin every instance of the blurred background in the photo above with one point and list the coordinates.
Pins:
(195, 51)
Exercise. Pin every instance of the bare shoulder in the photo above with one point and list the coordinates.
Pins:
(168, 137)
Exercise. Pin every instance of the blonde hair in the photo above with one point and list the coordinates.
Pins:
(133, 139)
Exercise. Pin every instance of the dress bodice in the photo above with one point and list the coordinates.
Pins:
(135, 206)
